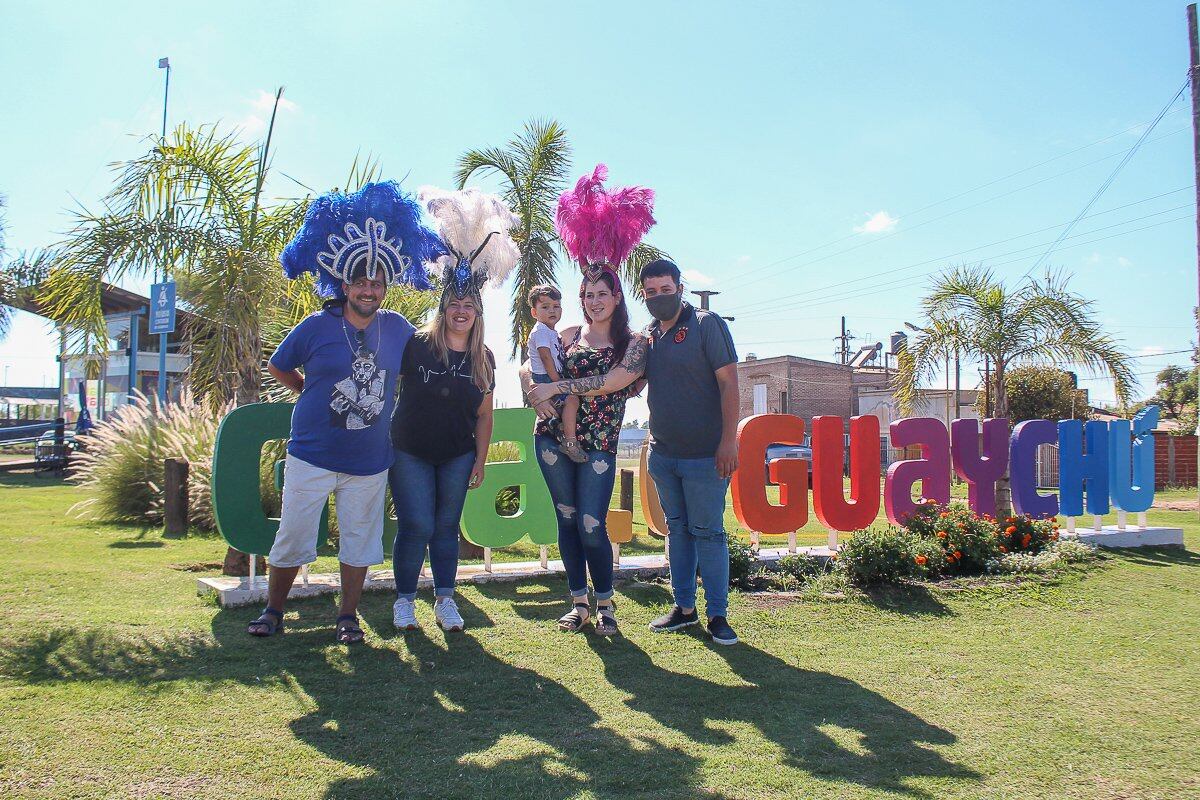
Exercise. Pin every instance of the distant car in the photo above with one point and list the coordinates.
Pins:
(778, 451)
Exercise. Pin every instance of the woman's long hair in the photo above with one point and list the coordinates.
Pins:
(434, 332)
(619, 330)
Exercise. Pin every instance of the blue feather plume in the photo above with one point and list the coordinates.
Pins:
(378, 228)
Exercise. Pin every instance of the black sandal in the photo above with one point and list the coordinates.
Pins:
(269, 623)
(606, 624)
(573, 621)
(348, 630)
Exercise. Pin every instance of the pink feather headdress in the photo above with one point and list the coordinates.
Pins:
(601, 228)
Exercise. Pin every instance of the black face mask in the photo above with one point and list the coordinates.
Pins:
(664, 307)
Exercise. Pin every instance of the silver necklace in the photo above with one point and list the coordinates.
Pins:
(362, 337)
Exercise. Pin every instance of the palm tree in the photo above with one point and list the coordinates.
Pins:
(534, 166)
(1041, 323)
(973, 314)
(192, 207)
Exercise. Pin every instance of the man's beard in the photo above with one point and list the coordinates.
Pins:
(363, 311)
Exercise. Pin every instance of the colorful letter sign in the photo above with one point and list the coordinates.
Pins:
(535, 517)
(1131, 474)
(750, 503)
(980, 470)
(829, 500)
(1117, 464)
(932, 469)
(1023, 479)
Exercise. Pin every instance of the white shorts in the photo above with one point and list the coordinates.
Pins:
(359, 505)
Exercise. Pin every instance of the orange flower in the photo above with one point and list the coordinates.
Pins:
(950, 559)
(1003, 549)
(1011, 529)
(1025, 540)
(941, 534)
(958, 554)
(944, 514)
(1054, 536)
(921, 560)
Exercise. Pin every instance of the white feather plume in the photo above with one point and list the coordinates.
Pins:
(464, 218)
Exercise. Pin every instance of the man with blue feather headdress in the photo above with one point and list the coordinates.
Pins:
(343, 361)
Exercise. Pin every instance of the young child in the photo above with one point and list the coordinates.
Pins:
(546, 359)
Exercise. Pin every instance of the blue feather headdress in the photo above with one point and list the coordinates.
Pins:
(377, 230)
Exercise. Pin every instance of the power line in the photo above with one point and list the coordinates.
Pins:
(884, 237)
(762, 304)
(1108, 181)
(892, 284)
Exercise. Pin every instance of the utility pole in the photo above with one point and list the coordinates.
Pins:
(843, 351)
(1194, 74)
(704, 294)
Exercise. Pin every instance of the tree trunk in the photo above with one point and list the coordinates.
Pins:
(1003, 484)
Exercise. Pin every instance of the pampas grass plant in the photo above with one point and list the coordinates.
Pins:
(122, 460)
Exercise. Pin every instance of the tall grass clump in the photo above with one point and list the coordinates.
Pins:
(121, 461)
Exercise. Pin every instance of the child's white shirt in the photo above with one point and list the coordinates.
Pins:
(543, 335)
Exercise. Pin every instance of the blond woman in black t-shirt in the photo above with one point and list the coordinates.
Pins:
(440, 432)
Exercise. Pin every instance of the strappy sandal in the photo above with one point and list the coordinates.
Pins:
(347, 629)
(573, 450)
(573, 621)
(269, 623)
(606, 620)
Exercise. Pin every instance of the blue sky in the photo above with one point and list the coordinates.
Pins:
(810, 160)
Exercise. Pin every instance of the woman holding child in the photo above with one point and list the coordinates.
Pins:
(599, 229)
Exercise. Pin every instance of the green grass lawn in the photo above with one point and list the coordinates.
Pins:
(116, 680)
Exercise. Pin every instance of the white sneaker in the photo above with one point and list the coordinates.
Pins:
(447, 615)
(404, 615)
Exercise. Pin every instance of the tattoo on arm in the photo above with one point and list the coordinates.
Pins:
(582, 385)
(635, 356)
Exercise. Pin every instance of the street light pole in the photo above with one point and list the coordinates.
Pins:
(1194, 74)
(163, 63)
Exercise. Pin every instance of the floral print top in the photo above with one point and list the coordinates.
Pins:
(600, 417)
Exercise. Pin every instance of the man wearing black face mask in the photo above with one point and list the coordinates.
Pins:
(691, 368)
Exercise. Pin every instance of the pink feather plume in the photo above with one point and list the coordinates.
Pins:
(598, 226)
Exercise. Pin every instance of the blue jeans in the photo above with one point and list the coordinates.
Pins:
(693, 501)
(429, 502)
(581, 494)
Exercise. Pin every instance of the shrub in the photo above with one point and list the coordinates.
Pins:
(802, 567)
(879, 555)
(967, 542)
(1074, 552)
(1056, 556)
(122, 461)
(743, 563)
(1025, 534)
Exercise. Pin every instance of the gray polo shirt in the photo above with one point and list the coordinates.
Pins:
(684, 398)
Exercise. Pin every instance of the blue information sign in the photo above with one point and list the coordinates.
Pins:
(162, 307)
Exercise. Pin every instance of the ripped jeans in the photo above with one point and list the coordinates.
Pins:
(693, 501)
(581, 494)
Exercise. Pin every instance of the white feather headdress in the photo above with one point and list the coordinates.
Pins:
(475, 227)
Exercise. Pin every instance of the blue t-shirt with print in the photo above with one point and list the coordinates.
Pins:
(342, 420)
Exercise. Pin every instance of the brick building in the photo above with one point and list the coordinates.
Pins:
(805, 387)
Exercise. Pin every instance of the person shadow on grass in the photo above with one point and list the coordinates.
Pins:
(417, 715)
(823, 724)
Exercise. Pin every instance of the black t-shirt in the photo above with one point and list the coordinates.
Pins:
(685, 399)
(438, 405)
